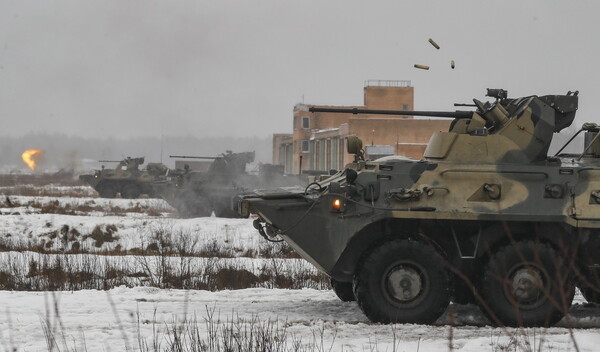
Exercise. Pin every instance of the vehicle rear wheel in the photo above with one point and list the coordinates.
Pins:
(402, 281)
(107, 190)
(343, 290)
(131, 191)
(526, 284)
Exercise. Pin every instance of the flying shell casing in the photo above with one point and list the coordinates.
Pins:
(435, 45)
(452, 64)
(422, 67)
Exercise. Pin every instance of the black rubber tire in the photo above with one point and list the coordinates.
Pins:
(131, 191)
(541, 263)
(343, 290)
(373, 291)
(107, 190)
(590, 294)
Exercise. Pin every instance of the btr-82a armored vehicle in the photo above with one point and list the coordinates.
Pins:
(126, 178)
(487, 216)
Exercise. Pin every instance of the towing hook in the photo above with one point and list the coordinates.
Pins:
(257, 225)
(267, 231)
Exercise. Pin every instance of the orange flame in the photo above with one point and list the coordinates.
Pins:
(30, 157)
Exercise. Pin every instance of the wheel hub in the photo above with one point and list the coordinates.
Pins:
(527, 285)
(404, 283)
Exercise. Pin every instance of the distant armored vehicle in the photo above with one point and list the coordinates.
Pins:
(199, 193)
(486, 217)
(126, 179)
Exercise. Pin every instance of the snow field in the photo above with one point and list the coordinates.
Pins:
(130, 318)
(133, 230)
(120, 318)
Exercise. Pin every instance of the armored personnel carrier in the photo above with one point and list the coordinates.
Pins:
(199, 193)
(486, 217)
(126, 178)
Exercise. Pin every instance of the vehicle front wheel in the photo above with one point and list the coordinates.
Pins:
(402, 281)
(591, 294)
(526, 284)
(343, 290)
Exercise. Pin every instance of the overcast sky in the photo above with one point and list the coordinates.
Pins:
(130, 68)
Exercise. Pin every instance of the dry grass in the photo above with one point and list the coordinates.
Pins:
(237, 334)
(162, 241)
(66, 259)
(61, 178)
(42, 272)
(85, 208)
(51, 190)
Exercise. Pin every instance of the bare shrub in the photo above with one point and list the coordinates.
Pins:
(101, 234)
(238, 334)
(276, 250)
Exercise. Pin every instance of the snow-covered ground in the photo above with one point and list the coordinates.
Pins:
(134, 227)
(119, 319)
(122, 318)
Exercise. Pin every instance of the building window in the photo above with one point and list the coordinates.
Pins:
(321, 154)
(305, 146)
(305, 122)
(334, 153)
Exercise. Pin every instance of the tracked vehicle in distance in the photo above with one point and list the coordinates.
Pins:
(126, 179)
(486, 217)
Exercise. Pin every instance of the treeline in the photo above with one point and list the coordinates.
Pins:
(82, 154)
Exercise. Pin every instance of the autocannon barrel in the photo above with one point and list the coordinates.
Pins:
(194, 157)
(451, 114)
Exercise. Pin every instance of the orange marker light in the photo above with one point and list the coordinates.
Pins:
(337, 204)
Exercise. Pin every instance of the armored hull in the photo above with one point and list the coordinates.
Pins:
(126, 179)
(487, 217)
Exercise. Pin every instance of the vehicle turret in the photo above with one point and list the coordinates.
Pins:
(229, 162)
(507, 130)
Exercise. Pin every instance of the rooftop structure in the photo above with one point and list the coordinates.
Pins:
(318, 139)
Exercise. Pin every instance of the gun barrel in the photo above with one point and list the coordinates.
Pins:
(194, 157)
(109, 161)
(451, 114)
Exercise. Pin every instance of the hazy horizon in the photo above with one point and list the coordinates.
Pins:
(81, 155)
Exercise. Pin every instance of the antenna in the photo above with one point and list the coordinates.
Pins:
(161, 147)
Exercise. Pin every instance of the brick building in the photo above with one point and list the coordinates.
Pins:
(318, 139)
